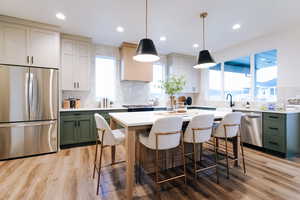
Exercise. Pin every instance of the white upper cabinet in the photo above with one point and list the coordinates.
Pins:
(182, 65)
(67, 64)
(76, 62)
(13, 44)
(83, 65)
(28, 43)
(44, 48)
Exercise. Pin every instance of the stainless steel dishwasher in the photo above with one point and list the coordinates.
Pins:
(251, 128)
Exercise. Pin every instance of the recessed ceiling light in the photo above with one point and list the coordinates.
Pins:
(60, 16)
(236, 26)
(163, 38)
(195, 45)
(120, 29)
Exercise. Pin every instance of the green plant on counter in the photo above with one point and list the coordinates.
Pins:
(173, 85)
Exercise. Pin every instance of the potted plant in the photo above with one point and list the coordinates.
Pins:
(172, 86)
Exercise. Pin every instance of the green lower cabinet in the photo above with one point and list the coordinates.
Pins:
(281, 133)
(84, 129)
(274, 129)
(68, 130)
(76, 128)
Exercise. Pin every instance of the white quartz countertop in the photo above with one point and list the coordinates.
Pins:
(147, 118)
(91, 109)
(116, 108)
(291, 111)
(266, 111)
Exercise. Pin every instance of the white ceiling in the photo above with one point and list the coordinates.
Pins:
(178, 20)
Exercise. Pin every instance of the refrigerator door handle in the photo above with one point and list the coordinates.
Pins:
(27, 97)
(30, 92)
(24, 124)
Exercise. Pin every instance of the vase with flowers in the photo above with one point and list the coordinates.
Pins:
(172, 86)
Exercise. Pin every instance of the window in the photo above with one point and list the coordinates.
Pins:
(158, 77)
(105, 72)
(245, 80)
(215, 82)
(237, 78)
(265, 76)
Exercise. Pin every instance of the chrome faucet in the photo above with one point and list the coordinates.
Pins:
(231, 102)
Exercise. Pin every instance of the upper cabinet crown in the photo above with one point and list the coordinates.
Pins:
(132, 70)
(182, 65)
(76, 62)
(25, 43)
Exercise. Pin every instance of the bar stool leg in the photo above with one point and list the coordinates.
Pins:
(227, 162)
(242, 148)
(183, 160)
(216, 159)
(173, 160)
(201, 151)
(99, 170)
(96, 152)
(194, 159)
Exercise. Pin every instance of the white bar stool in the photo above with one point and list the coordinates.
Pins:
(229, 127)
(107, 138)
(165, 134)
(199, 131)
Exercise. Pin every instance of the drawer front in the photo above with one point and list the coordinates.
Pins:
(274, 117)
(274, 143)
(276, 129)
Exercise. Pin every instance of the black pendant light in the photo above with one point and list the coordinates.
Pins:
(146, 51)
(205, 60)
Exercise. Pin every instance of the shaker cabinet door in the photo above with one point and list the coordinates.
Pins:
(82, 65)
(75, 65)
(84, 129)
(68, 63)
(44, 48)
(13, 44)
(68, 130)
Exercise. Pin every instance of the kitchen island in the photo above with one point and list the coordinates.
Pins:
(135, 121)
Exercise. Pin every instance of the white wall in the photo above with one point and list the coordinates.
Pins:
(288, 45)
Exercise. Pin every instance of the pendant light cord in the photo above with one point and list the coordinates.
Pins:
(146, 19)
(203, 35)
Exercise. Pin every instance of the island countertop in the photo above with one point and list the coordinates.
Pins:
(92, 109)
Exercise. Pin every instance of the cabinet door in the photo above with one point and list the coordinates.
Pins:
(44, 48)
(84, 129)
(13, 44)
(132, 70)
(68, 130)
(67, 64)
(82, 69)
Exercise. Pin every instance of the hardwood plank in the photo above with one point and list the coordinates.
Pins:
(68, 175)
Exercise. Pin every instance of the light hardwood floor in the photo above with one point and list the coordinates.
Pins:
(67, 175)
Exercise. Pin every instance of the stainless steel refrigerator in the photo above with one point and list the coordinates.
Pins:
(28, 111)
